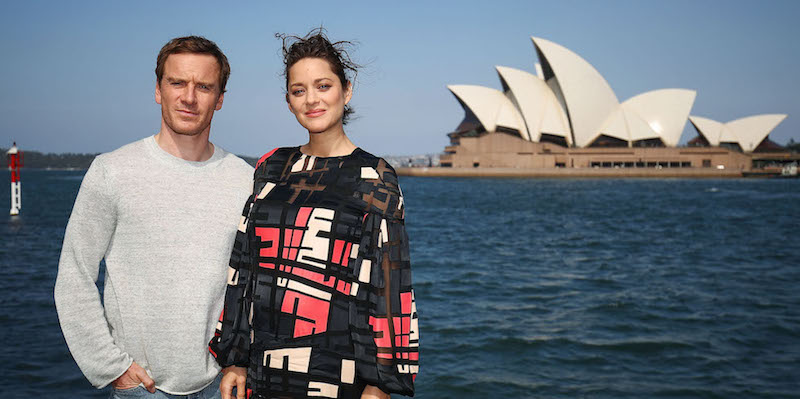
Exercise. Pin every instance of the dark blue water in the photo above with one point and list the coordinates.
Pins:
(526, 288)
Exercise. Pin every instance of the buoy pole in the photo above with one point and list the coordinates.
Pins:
(14, 163)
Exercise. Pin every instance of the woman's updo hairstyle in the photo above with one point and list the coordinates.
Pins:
(317, 45)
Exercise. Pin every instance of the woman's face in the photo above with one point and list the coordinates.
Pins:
(316, 96)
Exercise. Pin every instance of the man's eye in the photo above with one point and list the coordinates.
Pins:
(203, 87)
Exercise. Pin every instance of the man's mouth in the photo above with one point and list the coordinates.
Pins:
(186, 113)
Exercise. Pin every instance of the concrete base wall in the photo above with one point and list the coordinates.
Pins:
(571, 172)
(498, 150)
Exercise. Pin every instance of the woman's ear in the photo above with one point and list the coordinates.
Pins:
(348, 93)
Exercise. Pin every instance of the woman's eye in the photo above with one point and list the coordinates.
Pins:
(297, 92)
(324, 87)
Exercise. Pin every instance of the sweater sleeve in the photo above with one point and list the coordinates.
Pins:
(77, 298)
(231, 342)
(384, 322)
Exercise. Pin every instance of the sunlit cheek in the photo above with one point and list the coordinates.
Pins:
(297, 105)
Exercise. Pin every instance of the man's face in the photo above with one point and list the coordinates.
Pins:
(189, 93)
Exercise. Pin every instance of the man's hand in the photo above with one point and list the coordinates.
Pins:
(233, 377)
(372, 392)
(134, 376)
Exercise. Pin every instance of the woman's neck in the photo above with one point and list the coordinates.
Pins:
(328, 144)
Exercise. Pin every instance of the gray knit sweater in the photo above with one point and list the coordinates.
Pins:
(165, 227)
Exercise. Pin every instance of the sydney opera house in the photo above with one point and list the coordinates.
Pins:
(567, 116)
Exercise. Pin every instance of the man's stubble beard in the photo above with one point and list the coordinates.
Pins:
(183, 132)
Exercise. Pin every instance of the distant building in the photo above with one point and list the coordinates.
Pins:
(413, 161)
(567, 116)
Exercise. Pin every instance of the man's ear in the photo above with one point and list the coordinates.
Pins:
(158, 92)
(219, 101)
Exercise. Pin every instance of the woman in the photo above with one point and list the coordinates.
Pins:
(319, 300)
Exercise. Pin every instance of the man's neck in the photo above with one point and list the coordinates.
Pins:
(195, 148)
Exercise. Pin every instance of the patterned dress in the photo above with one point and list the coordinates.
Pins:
(319, 300)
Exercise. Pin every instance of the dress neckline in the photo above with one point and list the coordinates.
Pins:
(333, 157)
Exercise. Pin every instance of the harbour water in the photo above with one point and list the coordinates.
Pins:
(527, 288)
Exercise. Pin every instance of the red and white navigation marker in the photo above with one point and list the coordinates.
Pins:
(14, 163)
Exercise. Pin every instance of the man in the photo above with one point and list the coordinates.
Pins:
(163, 213)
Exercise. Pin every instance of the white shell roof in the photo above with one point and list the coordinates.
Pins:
(538, 104)
(626, 125)
(752, 130)
(588, 97)
(615, 126)
(708, 128)
(655, 114)
(665, 112)
(571, 99)
(491, 107)
(748, 132)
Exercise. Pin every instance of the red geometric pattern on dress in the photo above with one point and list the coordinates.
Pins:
(264, 157)
(268, 235)
(343, 287)
(306, 278)
(405, 321)
(341, 252)
(328, 281)
(291, 243)
(303, 306)
(292, 238)
(382, 340)
(402, 331)
(302, 216)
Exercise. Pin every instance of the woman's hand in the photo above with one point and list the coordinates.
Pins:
(371, 392)
(233, 377)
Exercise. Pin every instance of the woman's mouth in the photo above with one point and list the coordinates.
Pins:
(315, 113)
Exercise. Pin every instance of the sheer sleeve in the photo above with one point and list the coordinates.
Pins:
(231, 342)
(384, 322)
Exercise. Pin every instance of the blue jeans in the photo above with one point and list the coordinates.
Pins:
(209, 392)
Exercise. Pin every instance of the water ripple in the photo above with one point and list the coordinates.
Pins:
(651, 288)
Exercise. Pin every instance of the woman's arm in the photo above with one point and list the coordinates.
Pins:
(384, 323)
(230, 345)
(371, 392)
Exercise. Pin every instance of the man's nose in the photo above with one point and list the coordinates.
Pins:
(189, 95)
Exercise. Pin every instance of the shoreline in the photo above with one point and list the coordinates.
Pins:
(602, 173)
(53, 169)
(704, 173)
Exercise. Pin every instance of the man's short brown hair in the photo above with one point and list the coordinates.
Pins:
(194, 45)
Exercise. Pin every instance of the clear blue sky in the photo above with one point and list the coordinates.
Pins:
(78, 76)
